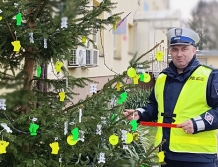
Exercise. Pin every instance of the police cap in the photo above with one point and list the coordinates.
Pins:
(182, 36)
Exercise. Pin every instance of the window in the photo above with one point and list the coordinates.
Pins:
(117, 46)
(72, 60)
(88, 57)
(130, 39)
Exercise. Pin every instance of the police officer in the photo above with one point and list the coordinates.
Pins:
(186, 94)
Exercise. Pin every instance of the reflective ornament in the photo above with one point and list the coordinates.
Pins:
(131, 72)
(70, 140)
(129, 138)
(113, 139)
(147, 77)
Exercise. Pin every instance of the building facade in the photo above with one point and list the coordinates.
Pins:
(146, 25)
(208, 57)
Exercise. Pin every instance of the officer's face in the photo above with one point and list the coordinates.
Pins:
(182, 55)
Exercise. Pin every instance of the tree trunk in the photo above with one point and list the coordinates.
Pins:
(29, 69)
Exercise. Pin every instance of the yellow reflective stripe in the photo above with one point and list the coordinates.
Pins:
(204, 142)
(193, 140)
(196, 104)
(159, 87)
(158, 136)
(161, 79)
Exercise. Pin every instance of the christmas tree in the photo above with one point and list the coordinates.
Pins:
(40, 125)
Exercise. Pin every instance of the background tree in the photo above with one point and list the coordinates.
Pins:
(205, 22)
(40, 125)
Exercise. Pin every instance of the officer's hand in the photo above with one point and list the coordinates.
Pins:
(131, 114)
(187, 126)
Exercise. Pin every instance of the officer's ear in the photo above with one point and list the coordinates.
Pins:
(194, 49)
(169, 49)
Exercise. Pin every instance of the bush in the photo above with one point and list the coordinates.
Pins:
(138, 97)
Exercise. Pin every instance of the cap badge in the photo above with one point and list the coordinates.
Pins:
(178, 31)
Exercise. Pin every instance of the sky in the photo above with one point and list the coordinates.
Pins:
(185, 6)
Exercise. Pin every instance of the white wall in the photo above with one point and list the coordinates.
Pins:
(146, 35)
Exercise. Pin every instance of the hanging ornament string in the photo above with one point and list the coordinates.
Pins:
(102, 46)
(20, 131)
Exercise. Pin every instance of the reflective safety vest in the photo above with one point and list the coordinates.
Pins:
(190, 104)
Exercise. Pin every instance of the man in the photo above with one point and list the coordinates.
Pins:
(186, 94)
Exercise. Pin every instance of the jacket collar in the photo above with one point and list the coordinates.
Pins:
(172, 69)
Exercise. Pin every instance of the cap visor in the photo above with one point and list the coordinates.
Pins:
(186, 44)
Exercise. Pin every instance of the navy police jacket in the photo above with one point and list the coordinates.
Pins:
(173, 86)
